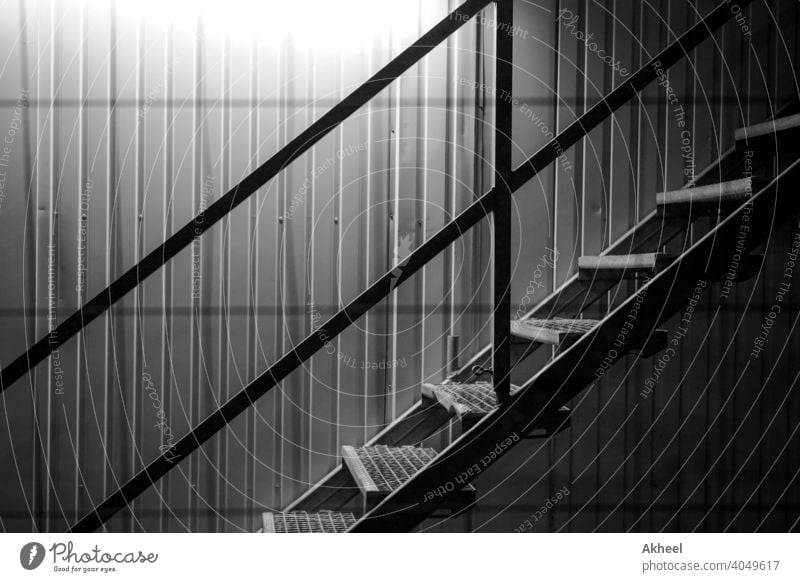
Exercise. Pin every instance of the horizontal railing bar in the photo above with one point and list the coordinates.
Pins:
(389, 281)
(231, 199)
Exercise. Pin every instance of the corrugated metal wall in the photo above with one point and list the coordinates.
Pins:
(132, 124)
(124, 127)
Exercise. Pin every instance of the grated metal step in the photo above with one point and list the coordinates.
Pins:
(303, 522)
(463, 399)
(551, 331)
(384, 469)
(470, 402)
(619, 267)
(707, 199)
(337, 489)
(378, 470)
(562, 333)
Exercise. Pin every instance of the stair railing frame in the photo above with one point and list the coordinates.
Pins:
(415, 261)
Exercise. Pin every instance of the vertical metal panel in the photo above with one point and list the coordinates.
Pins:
(663, 404)
(18, 216)
(151, 115)
(377, 243)
(469, 283)
(434, 82)
(353, 186)
(568, 107)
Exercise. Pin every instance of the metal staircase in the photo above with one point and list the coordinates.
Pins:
(392, 483)
(538, 409)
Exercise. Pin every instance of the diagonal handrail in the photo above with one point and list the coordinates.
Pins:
(405, 269)
(239, 193)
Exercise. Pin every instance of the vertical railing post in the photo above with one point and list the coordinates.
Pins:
(501, 315)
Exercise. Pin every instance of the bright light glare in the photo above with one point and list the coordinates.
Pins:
(314, 23)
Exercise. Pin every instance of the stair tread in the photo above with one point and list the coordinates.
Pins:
(304, 522)
(461, 399)
(634, 261)
(551, 331)
(471, 402)
(477, 398)
(381, 469)
(730, 191)
(619, 267)
(770, 127)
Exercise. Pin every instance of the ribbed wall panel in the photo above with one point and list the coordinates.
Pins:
(125, 128)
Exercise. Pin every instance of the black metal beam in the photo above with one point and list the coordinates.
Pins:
(501, 217)
(241, 192)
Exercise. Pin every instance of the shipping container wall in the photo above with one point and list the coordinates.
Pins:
(124, 120)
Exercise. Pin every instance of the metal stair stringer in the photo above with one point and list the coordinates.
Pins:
(576, 368)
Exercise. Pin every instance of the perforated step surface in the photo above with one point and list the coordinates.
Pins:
(551, 331)
(302, 522)
(462, 399)
(378, 470)
(382, 469)
(470, 402)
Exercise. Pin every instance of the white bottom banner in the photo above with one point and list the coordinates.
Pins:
(400, 557)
